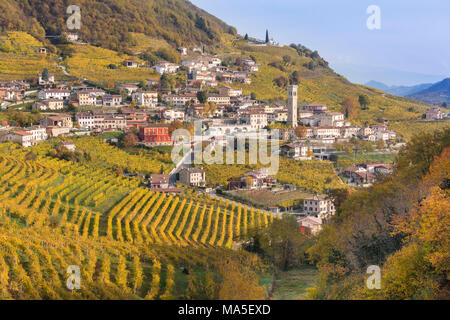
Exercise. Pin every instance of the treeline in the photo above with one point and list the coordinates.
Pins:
(400, 224)
(109, 23)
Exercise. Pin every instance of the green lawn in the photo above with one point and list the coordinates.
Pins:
(292, 284)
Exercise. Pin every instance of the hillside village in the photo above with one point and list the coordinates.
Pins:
(212, 95)
(89, 123)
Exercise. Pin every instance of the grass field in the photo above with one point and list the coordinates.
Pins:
(268, 198)
(346, 160)
(293, 284)
(409, 128)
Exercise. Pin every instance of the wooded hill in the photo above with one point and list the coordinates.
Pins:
(109, 23)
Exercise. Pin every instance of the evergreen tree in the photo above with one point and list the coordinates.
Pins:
(267, 36)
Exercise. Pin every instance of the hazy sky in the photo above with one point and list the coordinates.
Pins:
(412, 46)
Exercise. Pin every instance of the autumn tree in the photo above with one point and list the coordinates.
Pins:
(349, 107)
(130, 140)
(300, 131)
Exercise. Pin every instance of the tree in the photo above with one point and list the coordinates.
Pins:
(363, 101)
(202, 96)
(380, 144)
(239, 281)
(300, 131)
(45, 74)
(283, 243)
(349, 107)
(287, 59)
(130, 140)
(246, 37)
(267, 36)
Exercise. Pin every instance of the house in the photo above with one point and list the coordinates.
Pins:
(257, 179)
(86, 98)
(219, 99)
(61, 120)
(131, 63)
(319, 206)
(297, 150)
(159, 181)
(249, 65)
(172, 115)
(165, 67)
(42, 82)
(135, 118)
(332, 119)
(112, 100)
(48, 105)
(58, 131)
(182, 51)
(69, 145)
(317, 108)
(180, 100)
(326, 132)
(310, 224)
(434, 113)
(72, 36)
(230, 92)
(128, 88)
(256, 119)
(60, 94)
(194, 177)
(100, 120)
(155, 134)
(146, 98)
(20, 137)
(359, 175)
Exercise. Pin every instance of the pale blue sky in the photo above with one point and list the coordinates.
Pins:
(413, 45)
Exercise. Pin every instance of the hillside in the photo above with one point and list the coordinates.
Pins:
(129, 242)
(177, 21)
(437, 93)
(137, 26)
(317, 82)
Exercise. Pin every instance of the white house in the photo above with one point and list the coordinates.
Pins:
(60, 94)
(146, 98)
(319, 206)
(172, 115)
(165, 67)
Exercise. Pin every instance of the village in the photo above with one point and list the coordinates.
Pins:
(212, 95)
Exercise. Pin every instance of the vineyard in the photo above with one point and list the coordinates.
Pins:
(128, 241)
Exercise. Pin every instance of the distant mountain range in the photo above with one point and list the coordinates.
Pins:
(427, 92)
(437, 93)
(400, 91)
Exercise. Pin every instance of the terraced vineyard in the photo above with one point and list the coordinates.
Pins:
(55, 213)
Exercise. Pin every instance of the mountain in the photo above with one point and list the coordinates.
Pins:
(401, 91)
(437, 93)
(176, 21)
(378, 85)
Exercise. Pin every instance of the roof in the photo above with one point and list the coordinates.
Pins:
(318, 197)
(193, 170)
(157, 125)
(310, 219)
(21, 133)
(159, 178)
